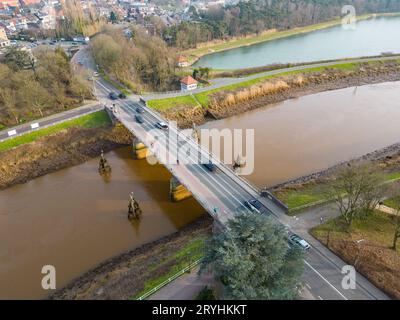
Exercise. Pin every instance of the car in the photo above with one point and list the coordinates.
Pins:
(95, 74)
(296, 240)
(122, 95)
(254, 205)
(162, 125)
(139, 118)
(139, 110)
(113, 96)
(210, 166)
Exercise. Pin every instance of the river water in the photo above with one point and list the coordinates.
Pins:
(73, 219)
(370, 37)
(312, 133)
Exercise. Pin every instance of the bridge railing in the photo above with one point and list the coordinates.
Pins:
(169, 280)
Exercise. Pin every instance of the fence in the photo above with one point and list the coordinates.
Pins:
(170, 279)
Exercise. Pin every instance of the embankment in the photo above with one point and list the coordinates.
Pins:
(126, 275)
(226, 103)
(60, 150)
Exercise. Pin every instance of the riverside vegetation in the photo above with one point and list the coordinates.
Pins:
(264, 90)
(38, 84)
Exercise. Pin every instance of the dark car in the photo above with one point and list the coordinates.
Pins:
(210, 166)
(113, 96)
(139, 118)
(254, 205)
(122, 95)
(139, 110)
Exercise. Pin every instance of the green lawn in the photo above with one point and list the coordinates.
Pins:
(392, 202)
(92, 120)
(163, 104)
(377, 227)
(203, 97)
(312, 194)
(192, 249)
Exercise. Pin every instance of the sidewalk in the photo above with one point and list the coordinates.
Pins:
(186, 287)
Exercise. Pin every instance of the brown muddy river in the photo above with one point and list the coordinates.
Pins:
(72, 219)
(312, 133)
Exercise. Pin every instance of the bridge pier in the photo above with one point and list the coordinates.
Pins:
(178, 191)
(140, 151)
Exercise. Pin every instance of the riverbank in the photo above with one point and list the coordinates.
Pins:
(307, 191)
(223, 45)
(269, 90)
(61, 149)
(128, 275)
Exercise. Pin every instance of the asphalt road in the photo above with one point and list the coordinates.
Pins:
(221, 192)
(226, 192)
(48, 121)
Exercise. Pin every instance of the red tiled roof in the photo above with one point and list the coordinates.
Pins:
(182, 59)
(188, 80)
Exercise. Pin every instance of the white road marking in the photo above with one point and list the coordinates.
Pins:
(331, 285)
(308, 286)
(319, 297)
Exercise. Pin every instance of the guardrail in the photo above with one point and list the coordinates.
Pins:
(13, 133)
(169, 280)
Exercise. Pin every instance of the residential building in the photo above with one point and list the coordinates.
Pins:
(182, 62)
(4, 42)
(188, 83)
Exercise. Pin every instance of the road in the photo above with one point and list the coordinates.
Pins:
(49, 121)
(222, 82)
(222, 193)
(226, 192)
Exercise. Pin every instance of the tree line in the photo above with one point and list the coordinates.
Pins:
(256, 16)
(140, 61)
(39, 84)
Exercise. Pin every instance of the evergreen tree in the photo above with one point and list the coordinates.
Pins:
(252, 260)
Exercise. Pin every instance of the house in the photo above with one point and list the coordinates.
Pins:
(188, 83)
(4, 42)
(182, 62)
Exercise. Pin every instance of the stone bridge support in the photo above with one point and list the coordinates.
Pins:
(178, 191)
(139, 149)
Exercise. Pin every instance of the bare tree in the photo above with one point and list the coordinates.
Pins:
(356, 190)
(395, 193)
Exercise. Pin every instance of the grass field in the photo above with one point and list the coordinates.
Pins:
(164, 104)
(377, 227)
(203, 97)
(191, 252)
(92, 120)
(313, 194)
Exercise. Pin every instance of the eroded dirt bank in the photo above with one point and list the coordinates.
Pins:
(226, 103)
(124, 276)
(63, 149)
(388, 159)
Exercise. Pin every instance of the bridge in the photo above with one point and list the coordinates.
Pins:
(223, 192)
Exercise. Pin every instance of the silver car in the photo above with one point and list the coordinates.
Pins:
(294, 239)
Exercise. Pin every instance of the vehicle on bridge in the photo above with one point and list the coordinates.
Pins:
(139, 110)
(210, 166)
(139, 118)
(254, 205)
(122, 95)
(113, 96)
(162, 125)
(296, 240)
